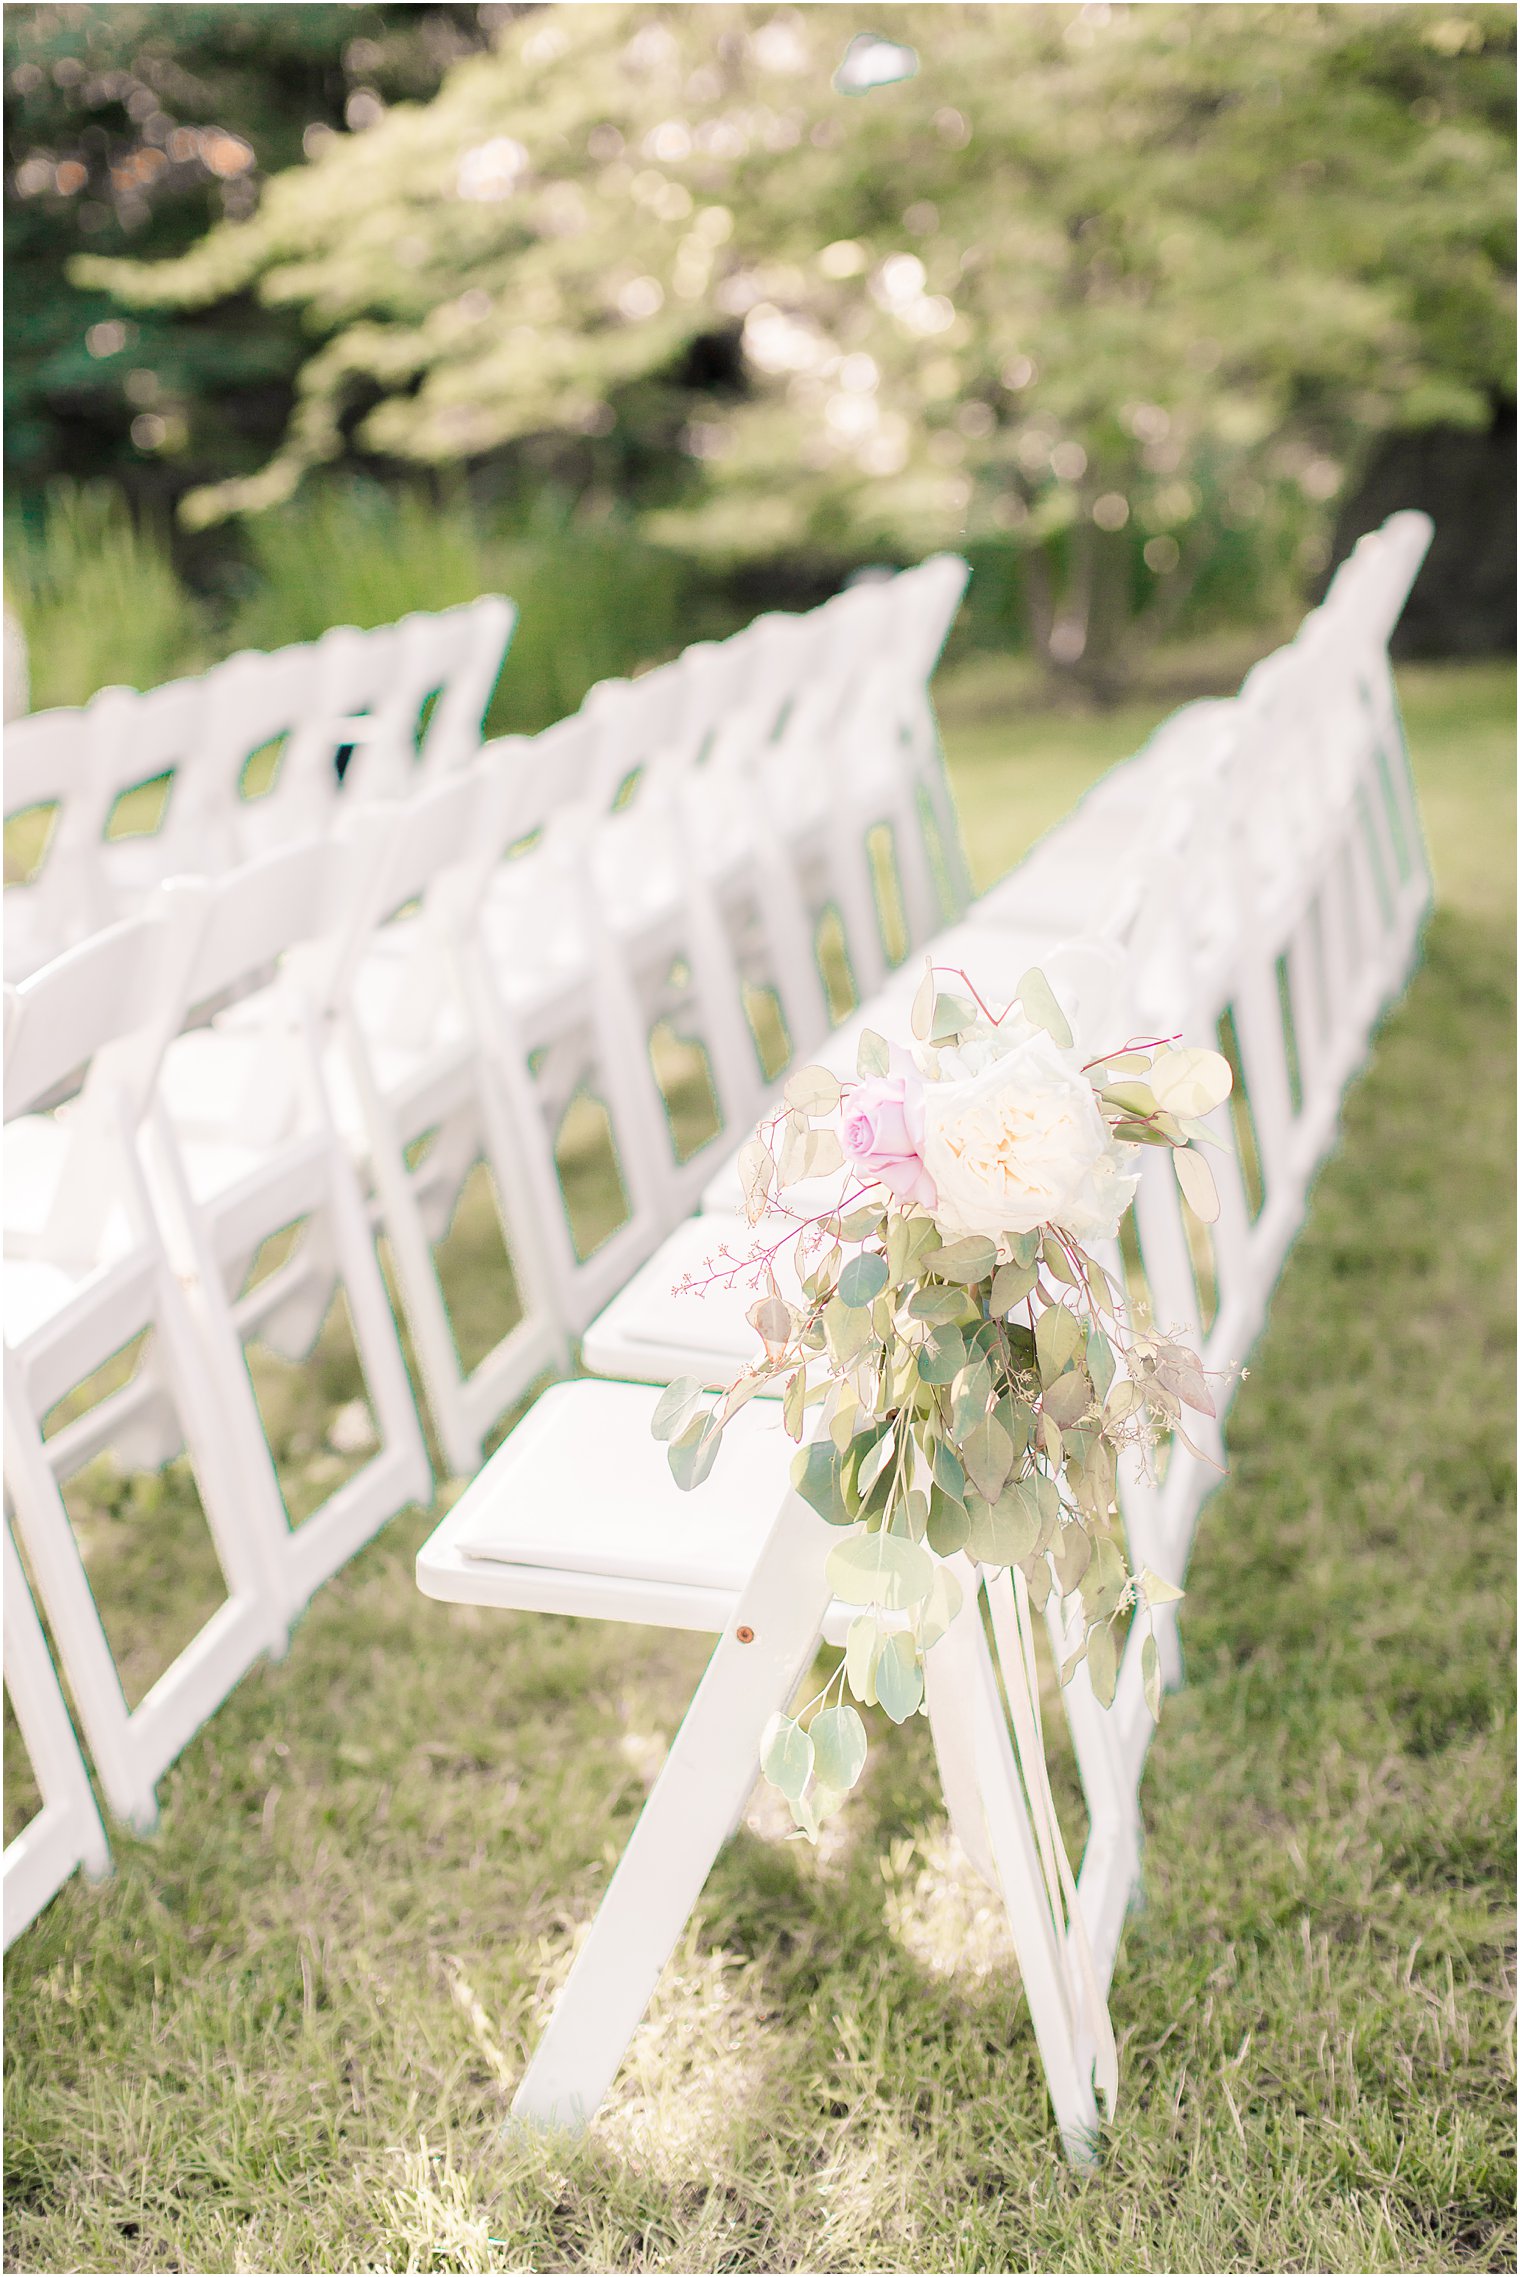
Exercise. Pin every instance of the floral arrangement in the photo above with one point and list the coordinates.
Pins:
(978, 1370)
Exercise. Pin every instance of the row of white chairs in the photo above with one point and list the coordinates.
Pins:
(329, 1035)
(1261, 871)
(257, 752)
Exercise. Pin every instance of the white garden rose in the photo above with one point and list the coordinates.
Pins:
(1022, 1144)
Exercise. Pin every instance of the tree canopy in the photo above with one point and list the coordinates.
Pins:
(134, 129)
(1110, 279)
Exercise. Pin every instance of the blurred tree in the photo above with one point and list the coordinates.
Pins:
(1114, 280)
(141, 126)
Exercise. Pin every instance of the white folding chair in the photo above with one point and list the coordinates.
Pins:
(738, 835)
(577, 1514)
(66, 1832)
(87, 1273)
(245, 1149)
(83, 763)
(556, 1000)
(413, 1067)
(59, 900)
(449, 663)
(243, 795)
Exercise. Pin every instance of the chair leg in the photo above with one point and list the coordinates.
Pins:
(74, 1834)
(964, 1703)
(705, 1781)
(43, 1524)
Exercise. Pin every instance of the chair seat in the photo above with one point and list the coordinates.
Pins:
(578, 1514)
(34, 1154)
(231, 1084)
(651, 1332)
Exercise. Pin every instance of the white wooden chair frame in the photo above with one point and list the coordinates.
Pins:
(129, 1292)
(294, 911)
(66, 1832)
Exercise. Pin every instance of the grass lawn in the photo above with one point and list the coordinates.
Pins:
(284, 2035)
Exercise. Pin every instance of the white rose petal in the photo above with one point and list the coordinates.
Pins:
(1022, 1144)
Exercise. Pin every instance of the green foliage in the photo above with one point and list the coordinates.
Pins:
(99, 599)
(1118, 285)
(132, 129)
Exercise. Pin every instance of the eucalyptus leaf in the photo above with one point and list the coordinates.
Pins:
(873, 1054)
(1004, 1532)
(942, 1356)
(773, 1321)
(786, 1756)
(848, 1329)
(841, 1407)
(987, 1456)
(839, 1747)
(818, 1476)
(1181, 1373)
(1011, 1285)
(863, 1278)
(964, 1261)
(1135, 1098)
(1197, 1182)
(1100, 1287)
(1037, 997)
(1190, 1082)
(952, 1016)
(1057, 1341)
(861, 1646)
(1068, 1399)
(757, 1169)
(936, 1305)
(1104, 1582)
(739, 1395)
(861, 1223)
(1073, 1662)
(1200, 1133)
(1140, 1134)
(1073, 1555)
(880, 1569)
(1150, 1677)
(1057, 1263)
(672, 1410)
(1123, 1397)
(693, 1454)
(1100, 1362)
(899, 1678)
(949, 1526)
(1155, 1591)
(793, 1403)
(812, 1091)
(875, 1460)
(1024, 1247)
(941, 1606)
(1102, 1664)
(949, 1472)
(822, 1155)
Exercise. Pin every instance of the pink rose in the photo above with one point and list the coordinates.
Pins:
(882, 1132)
